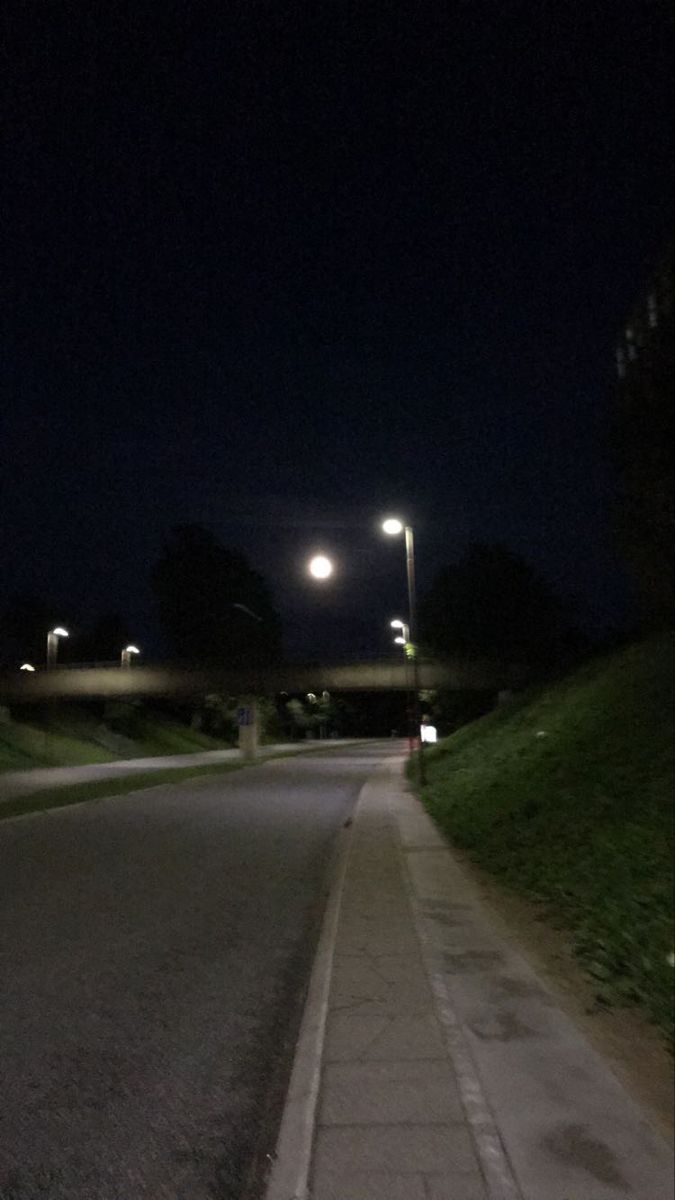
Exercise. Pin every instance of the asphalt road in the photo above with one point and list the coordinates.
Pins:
(153, 951)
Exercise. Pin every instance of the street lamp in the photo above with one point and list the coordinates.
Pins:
(393, 526)
(53, 643)
(125, 658)
(26, 667)
(404, 636)
(403, 639)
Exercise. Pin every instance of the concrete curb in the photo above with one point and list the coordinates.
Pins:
(288, 1179)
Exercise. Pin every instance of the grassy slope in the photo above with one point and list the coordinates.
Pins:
(69, 740)
(24, 746)
(580, 818)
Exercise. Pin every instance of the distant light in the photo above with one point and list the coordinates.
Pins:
(132, 650)
(320, 567)
(392, 525)
(59, 631)
(399, 641)
(428, 733)
(26, 667)
(397, 624)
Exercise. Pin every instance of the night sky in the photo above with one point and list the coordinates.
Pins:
(282, 268)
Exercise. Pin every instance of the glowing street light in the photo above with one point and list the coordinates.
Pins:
(320, 567)
(404, 636)
(393, 526)
(26, 667)
(53, 643)
(125, 659)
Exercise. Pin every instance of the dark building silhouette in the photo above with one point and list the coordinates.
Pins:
(643, 440)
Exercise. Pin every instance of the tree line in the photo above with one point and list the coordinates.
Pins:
(213, 607)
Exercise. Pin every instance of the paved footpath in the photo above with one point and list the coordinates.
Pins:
(34, 779)
(432, 1063)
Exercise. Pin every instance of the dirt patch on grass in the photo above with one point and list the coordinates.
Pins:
(634, 1048)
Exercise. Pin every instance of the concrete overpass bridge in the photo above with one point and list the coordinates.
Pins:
(105, 682)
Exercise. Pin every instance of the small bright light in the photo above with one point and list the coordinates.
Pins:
(399, 641)
(397, 624)
(428, 733)
(392, 525)
(26, 667)
(320, 567)
(132, 650)
(60, 631)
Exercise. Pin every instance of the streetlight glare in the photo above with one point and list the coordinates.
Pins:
(320, 567)
(397, 624)
(400, 641)
(132, 650)
(392, 526)
(59, 631)
(26, 667)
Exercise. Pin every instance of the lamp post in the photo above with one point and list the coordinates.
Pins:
(403, 639)
(126, 655)
(393, 526)
(53, 643)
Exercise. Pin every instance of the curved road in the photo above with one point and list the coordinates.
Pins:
(153, 951)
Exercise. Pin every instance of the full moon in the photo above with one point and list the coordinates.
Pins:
(320, 567)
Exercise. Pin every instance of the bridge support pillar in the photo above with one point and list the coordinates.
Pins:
(247, 720)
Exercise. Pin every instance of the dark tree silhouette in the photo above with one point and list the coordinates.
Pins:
(642, 445)
(106, 639)
(213, 607)
(492, 603)
(26, 621)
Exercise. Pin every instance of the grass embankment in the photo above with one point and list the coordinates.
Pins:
(567, 796)
(70, 737)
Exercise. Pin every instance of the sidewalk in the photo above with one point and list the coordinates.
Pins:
(35, 779)
(432, 1063)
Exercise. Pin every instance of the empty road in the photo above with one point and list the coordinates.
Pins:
(153, 952)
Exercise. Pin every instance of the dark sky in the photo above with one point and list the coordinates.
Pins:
(284, 267)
